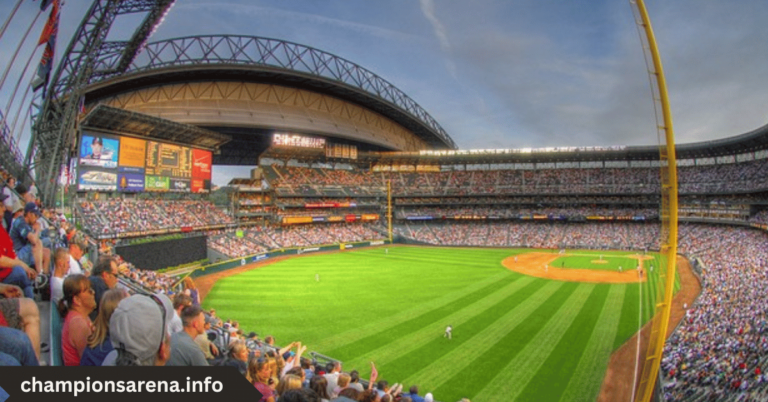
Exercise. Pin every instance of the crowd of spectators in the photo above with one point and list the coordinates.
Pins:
(720, 349)
(760, 217)
(511, 212)
(701, 179)
(256, 240)
(544, 234)
(114, 216)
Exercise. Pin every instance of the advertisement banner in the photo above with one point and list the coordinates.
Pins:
(132, 152)
(201, 164)
(130, 182)
(157, 183)
(179, 185)
(96, 180)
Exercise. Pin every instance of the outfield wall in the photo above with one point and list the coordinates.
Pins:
(238, 262)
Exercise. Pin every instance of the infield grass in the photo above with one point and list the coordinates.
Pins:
(515, 337)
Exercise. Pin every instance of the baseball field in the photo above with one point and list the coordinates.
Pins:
(539, 335)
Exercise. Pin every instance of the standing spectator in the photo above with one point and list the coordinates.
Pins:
(184, 350)
(77, 303)
(191, 290)
(99, 344)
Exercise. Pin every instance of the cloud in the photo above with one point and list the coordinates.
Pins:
(428, 9)
(294, 19)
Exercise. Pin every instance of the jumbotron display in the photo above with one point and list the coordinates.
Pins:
(126, 164)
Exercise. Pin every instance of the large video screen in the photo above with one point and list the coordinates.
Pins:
(126, 164)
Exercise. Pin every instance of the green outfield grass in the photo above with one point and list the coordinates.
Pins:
(515, 337)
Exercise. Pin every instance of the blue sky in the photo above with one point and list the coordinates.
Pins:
(511, 74)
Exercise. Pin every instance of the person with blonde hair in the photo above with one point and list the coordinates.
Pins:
(259, 374)
(288, 382)
(99, 344)
(342, 383)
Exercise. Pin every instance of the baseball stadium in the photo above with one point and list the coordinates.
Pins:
(366, 257)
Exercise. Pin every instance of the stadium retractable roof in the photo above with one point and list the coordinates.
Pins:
(123, 121)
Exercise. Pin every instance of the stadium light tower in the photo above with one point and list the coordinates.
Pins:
(668, 233)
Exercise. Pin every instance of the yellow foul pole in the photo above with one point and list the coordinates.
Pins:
(668, 235)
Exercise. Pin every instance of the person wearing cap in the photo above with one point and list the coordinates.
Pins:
(97, 146)
(184, 350)
(428, 397)
(138, 330)
(26, 240)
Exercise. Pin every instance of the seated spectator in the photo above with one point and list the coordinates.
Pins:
(288, 382)
(354, 381)
(209, 348)
(343, 382)
(349, 394)
(238, 357)
(184, 350)
(180, 301)
(14, 271)
(413, 393)
(299, 395)
(77, 248)
(332, 376)
(99, 344)
(60, 271)
(103, 277)
(27, 245)
(259, 374)
(139, 331)
(78, 302)
(18, 312)
(16, 348)
(319, 384)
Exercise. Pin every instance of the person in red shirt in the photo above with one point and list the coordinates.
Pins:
(78, 302)
(14, 271)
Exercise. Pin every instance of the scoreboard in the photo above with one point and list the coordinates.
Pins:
(127, 164)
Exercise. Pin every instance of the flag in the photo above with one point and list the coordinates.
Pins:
(47, 37)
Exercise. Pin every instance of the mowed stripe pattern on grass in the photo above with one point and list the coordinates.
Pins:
(515, 337)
